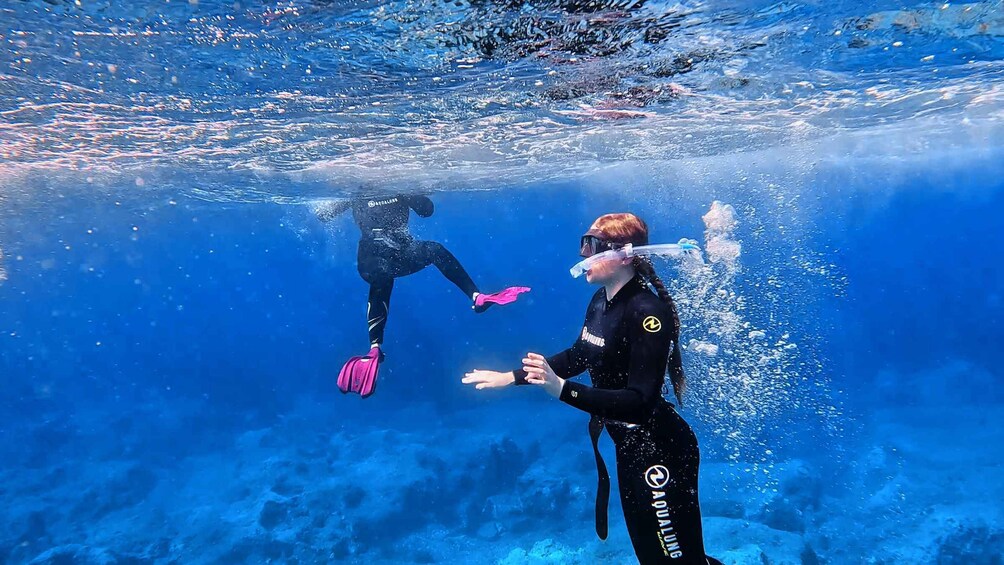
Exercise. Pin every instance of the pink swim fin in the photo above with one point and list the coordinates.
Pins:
(359, 374)
(505, 296)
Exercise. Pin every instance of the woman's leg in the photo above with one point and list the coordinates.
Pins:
(657, 474)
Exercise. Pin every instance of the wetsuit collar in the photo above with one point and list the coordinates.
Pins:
(629, 289)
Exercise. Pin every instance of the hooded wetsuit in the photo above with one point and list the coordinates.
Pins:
(625, 344)
(387, 250)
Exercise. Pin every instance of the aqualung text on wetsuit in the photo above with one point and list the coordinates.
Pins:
(592, 339)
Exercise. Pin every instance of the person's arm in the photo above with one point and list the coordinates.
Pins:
(646, 374)
(566, 364)
(328, 210)
(422, 205)
(569, 363)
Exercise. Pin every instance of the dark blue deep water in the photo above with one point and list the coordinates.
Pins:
(173, 315)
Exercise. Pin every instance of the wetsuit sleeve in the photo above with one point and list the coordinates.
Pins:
(329, 210)
(649, 340)
(422, 205)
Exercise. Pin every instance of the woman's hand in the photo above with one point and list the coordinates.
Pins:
(538, 372)
(488, 379)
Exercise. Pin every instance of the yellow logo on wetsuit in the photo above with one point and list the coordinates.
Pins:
(652, 324)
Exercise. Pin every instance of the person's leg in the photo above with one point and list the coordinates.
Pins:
(657, 475)
(413, 256)
(359, 373)
(377, 265)
(378, 308)
(434, 253)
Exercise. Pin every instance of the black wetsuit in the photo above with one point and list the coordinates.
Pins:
(387, 250)
(625, 344)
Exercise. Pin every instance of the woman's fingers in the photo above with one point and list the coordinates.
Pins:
(535, 359)
(533, 362)
(474, 377)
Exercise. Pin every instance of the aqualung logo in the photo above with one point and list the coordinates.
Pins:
(652, 324)
(592, 339)
(375, 203)
(657, 476)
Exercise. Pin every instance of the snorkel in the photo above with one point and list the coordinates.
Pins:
(685, 249)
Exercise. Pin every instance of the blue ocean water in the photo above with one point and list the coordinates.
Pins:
(173, 315)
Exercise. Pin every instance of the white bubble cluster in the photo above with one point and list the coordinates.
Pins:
(741, 377)
(703, 347)
(326, 209)
(719, 224)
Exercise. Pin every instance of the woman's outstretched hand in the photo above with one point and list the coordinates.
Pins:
(488, 379)
(538, 372)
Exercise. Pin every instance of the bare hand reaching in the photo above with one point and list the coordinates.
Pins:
(488, 379)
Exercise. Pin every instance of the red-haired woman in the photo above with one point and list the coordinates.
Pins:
(629, 338)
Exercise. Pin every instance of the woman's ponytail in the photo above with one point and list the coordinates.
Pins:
(646, 270)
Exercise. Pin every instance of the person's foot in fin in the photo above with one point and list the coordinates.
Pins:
(483, 302)
(359, 374)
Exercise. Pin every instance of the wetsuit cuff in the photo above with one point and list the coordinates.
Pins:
(571, 392)
(520, 376)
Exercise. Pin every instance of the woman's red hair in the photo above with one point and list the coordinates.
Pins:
(620, 228)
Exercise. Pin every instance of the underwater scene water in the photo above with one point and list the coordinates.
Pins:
(174, 314)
